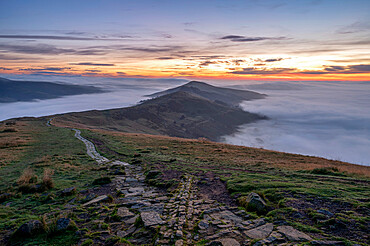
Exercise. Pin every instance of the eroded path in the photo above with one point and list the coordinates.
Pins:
(129, 209)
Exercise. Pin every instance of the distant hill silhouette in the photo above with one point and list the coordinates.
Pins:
(225, 95)
(17, 91)
(178, 114)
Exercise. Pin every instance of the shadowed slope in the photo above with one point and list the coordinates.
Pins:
(178, 114)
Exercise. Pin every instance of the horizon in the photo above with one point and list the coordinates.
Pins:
(313, 40)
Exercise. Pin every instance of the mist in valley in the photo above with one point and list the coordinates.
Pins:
(327, 119)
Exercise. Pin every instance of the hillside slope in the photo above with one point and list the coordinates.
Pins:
(228, 96)
(17, 91)
(178, 114)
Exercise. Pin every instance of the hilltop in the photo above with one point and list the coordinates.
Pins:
(232, 97)
(24, 91)
(178, 114)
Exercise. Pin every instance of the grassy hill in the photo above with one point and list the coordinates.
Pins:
(16, 91)
(323, 198)
(179, 114)
(228, 96)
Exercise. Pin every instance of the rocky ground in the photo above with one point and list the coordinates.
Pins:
(127, 210)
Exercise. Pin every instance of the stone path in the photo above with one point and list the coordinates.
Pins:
(150, 216)
(90, 148)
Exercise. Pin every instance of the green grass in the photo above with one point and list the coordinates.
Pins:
(274, 176)
(59, 150)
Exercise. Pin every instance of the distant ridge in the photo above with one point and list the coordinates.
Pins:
(17, 91)
(232, 97)
(177, 114)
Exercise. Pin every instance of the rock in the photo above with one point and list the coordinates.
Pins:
(151, 218)
(292, 234)
(203, 225)
(325, 212)
(68, 191)
(96, 200)
(124, 213)
(136, 190)
(225, 242)
(227, 215)
(179, 242)
(63, 224)
(333, 243)
(29, 229)
(179, 233)
(260, 232)
(254, 202)
(131, 220)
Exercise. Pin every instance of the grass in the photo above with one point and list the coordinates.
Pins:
(289, 183)
(292, 185)
(52, 159)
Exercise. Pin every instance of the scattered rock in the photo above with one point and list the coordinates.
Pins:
(63, 224)
(292, 234)
(151, 218)
(227, 215)
(260, 232)
(203, 225)
(225, 242)
(124, 213)
(325, 212)
(333, 243)
(179, 242)
(96, 200)
(254, 202)
(29, 229)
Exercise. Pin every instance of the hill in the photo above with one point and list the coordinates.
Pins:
(228, 96)
(17, 91)
(325, 201)
(179, 114)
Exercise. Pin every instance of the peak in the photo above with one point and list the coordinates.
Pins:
(196, 83)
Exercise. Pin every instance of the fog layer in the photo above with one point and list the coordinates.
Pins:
(121, 93)
(327, 119)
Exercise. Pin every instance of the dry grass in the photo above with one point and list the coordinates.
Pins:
(28, 177)
(13, 143)
(47, 179)
(233, 156)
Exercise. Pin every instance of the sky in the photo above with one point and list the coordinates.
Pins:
(207, 39)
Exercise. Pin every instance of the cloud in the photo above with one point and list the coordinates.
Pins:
(273, 60)
(238, 38)
(5, 69)
(90, 52)
(165, 58)
(92, 64)
(360, 68)
(251, 70)
(45, 69)
(93, 70)
(354, 28)
(35, 49)
(51, 37)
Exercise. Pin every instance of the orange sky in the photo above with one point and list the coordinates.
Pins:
(272, 40)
